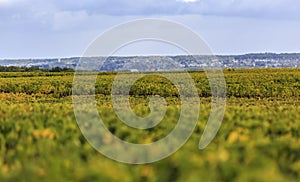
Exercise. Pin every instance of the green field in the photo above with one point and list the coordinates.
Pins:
(259, 139)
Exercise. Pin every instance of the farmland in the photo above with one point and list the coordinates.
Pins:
(259, 139)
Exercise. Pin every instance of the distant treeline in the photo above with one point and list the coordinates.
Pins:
(33, 69)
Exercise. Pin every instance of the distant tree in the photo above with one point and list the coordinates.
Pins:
(33, 69)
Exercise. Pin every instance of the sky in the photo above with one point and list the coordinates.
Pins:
(65, 28)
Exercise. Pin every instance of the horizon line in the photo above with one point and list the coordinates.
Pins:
(149, 55)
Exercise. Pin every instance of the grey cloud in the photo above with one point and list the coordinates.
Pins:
(249, 8)
(32, 25)
(63, 14)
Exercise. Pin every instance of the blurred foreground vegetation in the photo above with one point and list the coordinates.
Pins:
(259, 139)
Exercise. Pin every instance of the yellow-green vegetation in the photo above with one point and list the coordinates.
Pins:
(259, 139)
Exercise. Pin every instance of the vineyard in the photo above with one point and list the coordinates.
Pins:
(259, 139)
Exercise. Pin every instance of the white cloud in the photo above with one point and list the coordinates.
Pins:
(3, 2)
(8, 2)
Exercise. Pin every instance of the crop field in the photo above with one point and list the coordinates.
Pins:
(259, 139)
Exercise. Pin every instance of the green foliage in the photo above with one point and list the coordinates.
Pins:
(258, 139)
(252, 83)
(33, 69)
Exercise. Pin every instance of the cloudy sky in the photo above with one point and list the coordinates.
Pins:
(64, 28)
